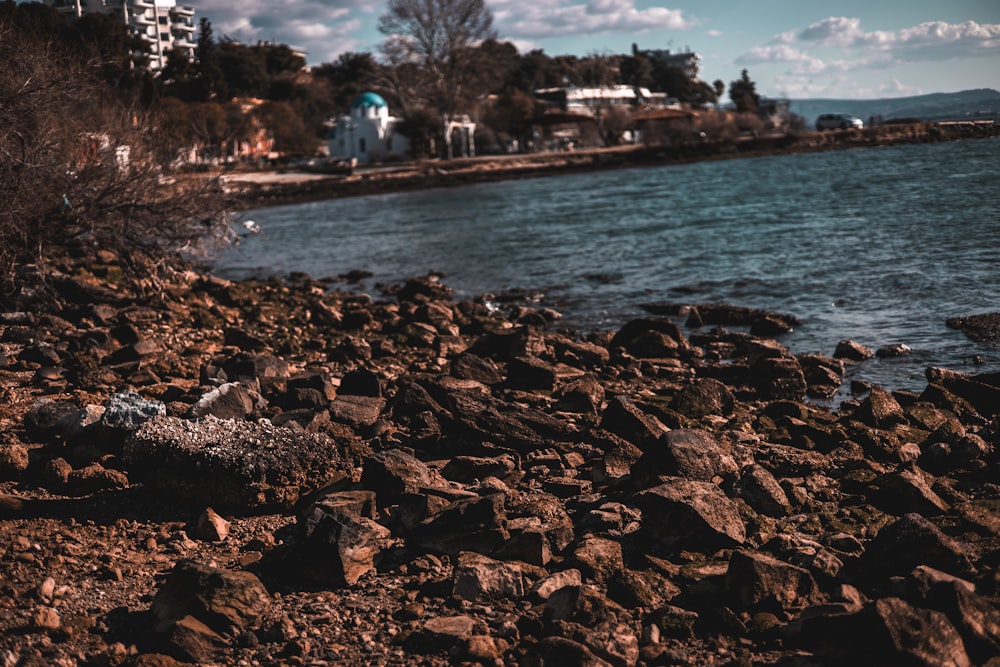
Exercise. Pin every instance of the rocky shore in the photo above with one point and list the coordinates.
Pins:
(286, 472)
(269, 188)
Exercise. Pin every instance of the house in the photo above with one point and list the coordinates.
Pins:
(161, 24)
(368, 134)
(589, 101)
(686, 61)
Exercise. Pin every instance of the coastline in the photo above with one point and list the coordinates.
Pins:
(248, 190)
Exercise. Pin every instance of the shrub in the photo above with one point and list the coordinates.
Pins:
(82, 173)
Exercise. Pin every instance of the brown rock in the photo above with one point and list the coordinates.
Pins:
(763, 582)
(479, 579)
(337, 547)
(886, 632)
(597, 558)
(224, 600)
(688, 514)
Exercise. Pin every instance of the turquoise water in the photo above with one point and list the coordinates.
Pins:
(879, 245)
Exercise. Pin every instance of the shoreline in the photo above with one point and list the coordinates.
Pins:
(249, 190)
(268, 472)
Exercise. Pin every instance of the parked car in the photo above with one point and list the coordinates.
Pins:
(838, 121)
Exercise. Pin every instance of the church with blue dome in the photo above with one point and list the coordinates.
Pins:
(368, 134)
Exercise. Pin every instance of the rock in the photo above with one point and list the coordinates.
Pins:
(879, 410)
(357, 411)
(688, 453)
(393, 472)
(703, 397)
(976, 617)
(227, 401)
(336, 547)
(760, 581)
(762, 491)
(471, 367)
(478, 578)
(981, 391)
(43, 421)
(779, 378)
(239, 466)
(563, 652)
(894, 350)
(912, 541)
(650, 339)
(628, 421)
(984, 328)
(908, 491)
(127, 411)
(226, 601)
(440, 634)
(585, 395)
(46, 618)
(194, 641)
(476, 524)
(93, 478)
(824, 375)
(584, 604)
(597, 558)
(641, 588)
(852, 351)
(13, 461)
(689, 514)
(211, 527)
(544, 588)
(531, 373)
(886, 632)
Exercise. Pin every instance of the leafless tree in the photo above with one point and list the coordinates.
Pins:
(440, 36)
(80, 173)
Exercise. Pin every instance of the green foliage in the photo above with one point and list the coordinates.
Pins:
(743, 93)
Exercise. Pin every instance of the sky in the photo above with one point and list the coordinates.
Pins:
(848, 49)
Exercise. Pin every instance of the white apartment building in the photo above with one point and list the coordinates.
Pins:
(162, 24)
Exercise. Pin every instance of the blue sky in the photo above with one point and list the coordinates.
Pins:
(851, 49)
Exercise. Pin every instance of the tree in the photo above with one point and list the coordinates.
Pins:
(91, 181)
(743, 93)
(439, 36)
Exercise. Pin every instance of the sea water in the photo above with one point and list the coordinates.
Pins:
(877, 245)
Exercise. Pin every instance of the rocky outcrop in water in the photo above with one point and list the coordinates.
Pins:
(279, 472)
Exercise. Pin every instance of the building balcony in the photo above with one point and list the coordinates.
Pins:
(182, 28)
(181, 43)
(141, 5)
(182, 11)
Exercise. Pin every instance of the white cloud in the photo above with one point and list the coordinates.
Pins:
(560, 18)
(713, 33)
(819, 57)
(325, 28)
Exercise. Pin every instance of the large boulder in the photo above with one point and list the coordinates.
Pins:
(237, 465)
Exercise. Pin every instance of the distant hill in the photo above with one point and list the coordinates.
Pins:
(982, 103)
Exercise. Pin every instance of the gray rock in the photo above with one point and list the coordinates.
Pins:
(127, 411)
